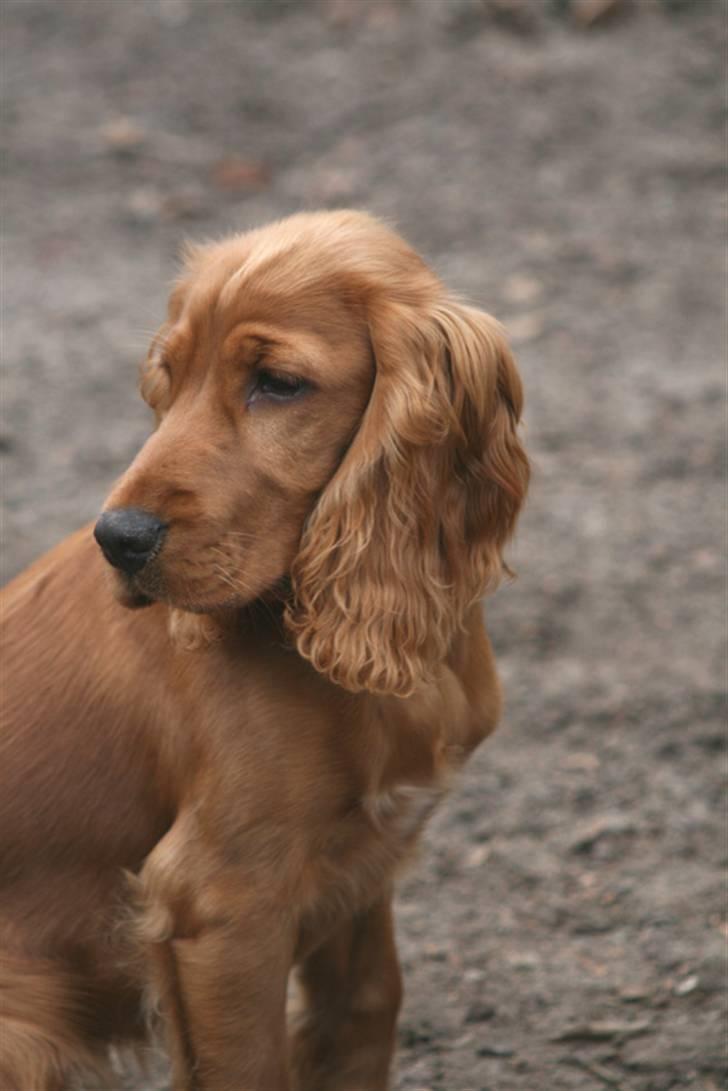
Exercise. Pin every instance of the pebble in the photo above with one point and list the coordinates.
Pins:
(687, 985)
(495, 1050)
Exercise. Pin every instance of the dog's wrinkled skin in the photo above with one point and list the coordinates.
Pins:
(204, 792)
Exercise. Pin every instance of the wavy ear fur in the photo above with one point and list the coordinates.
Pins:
(409, 532)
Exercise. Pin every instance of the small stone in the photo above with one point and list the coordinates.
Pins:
(122, 135)
(477, 856)
(601, 1031)
(479, 1013)
(522, 289)
(436, 952)
(523, 960)
(687, 985)
(495, 1050)
(525, 327)
(183, 205)
(587, 835)
(144, 204)
(581, 761)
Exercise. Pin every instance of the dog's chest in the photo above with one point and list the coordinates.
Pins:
(401, 811)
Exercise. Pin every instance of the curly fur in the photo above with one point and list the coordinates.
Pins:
(437, 463)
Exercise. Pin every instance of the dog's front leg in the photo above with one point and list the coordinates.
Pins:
(220, 962)
(227, 1021)
(343, 1039)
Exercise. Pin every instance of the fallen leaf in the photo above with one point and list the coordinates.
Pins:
(633, 994)
(233, 174)
(587, 13)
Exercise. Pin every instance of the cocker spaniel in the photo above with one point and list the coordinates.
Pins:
(229, 716)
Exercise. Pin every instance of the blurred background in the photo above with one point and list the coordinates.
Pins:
(562, 163)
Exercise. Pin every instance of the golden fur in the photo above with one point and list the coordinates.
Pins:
(211, 770)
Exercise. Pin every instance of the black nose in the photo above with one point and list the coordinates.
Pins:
(129, 537)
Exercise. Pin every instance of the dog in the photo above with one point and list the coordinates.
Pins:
(231, 706)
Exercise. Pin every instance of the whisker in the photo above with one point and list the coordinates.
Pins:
(144, 337)
(235, 582)
(246, 535)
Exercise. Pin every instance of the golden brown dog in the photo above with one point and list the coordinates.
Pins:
(199, 796)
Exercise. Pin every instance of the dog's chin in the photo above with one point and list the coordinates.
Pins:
(129, 596)
(133, 593)
(133, 597)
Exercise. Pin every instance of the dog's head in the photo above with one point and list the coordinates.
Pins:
(330, 421)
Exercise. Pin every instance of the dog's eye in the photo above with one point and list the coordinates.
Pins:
(155, 381)
(276, 386)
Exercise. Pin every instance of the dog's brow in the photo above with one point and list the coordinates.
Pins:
(300, 353)
(229, 288)
(261, 258)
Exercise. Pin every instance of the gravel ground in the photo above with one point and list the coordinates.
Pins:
(564, 926)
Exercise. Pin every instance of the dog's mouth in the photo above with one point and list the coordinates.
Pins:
(212, 578)
(136, 600)
(128, 592)
(148, 588)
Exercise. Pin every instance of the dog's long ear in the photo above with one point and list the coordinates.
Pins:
(410, 531)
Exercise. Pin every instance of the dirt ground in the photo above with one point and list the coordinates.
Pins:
(564, 926)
